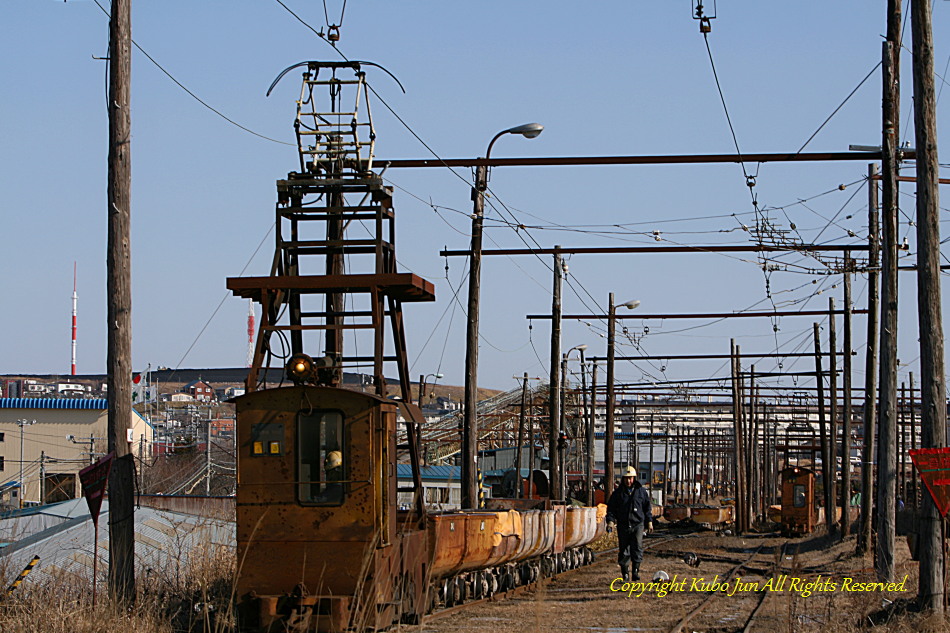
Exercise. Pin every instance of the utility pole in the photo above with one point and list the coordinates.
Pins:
(42, 478)
(521, 417)
(738, 463)
(887, 412)
(609, 429)
(591, 432)
(827, 443)
(666, 463)
(554, 395)
(470, 422)
(208, 458)
(588, 437)
(832, 407)
(846, 430)
(119, 320)
(870, 367)
(933, 396)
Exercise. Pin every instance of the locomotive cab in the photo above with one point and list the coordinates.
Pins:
(799, 508)
(315, 500)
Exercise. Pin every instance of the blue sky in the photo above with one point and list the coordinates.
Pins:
(605, 78)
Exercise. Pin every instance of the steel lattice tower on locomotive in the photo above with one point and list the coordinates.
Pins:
(334, 190)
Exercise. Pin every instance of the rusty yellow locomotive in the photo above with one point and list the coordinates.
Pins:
(322, 546)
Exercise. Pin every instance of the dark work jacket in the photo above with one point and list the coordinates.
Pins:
(629, 507)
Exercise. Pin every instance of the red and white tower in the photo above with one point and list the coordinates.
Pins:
(250, 332)
(73, 357)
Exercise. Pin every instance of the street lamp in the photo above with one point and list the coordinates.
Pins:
(21, 424)
(609, 436)
(422, 385)
(470, 421)
(579, 348)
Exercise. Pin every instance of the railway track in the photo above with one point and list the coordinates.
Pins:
(582, 590)
(602, 557)
(742, 612)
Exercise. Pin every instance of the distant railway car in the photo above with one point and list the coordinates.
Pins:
(800, 512)
(712, 516)
(676, 513)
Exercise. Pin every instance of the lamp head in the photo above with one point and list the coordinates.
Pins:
(438, 376)
(630, 305)
(300, 369)
(528, 130)
(582, 347)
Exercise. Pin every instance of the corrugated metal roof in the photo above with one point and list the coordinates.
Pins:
(54, 403)
(441, 473)
(165, 542)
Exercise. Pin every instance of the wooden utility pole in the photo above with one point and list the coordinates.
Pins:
(833, 405)
(521, 417)
(119, 319)
(470, 411)
(749, 502)
(593, 424)
(913, 439)
(666, 463)
(588, 418)
(887, 407)
(870, 367)
(827, 470)
(554, 395)
(738, 464)
(933, 395)
(846, 430)
(609, 430)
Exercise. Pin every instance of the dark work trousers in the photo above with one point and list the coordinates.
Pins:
(631, 544)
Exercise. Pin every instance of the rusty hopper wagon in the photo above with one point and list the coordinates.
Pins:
(322, 542)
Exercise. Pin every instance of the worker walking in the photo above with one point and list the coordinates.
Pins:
(630, 510)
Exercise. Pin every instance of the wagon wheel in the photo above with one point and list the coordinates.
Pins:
(448, 593)
(298, 621)
(410, 612)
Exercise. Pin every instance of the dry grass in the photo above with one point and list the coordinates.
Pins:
(197, 599)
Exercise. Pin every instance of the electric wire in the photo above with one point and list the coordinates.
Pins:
(192, 94)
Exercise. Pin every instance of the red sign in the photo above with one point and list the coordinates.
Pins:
(95, 479)
(933, 464)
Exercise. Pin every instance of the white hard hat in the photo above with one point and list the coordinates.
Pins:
(334, 459)
(661, 576)
(630, 472)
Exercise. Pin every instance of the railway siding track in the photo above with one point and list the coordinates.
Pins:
(742, 610)
(602, 556)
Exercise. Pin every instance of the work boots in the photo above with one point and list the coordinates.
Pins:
(636, 571)
(625, 572)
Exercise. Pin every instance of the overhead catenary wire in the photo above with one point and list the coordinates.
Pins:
(192, 94)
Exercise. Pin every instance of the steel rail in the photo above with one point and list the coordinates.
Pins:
(679, 626)
(504, 595)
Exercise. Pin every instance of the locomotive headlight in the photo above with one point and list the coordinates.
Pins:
(300, 369)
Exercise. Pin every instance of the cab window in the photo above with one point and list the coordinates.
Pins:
(321, 458)
(798, 496)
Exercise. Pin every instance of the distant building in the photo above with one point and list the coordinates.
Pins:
(200, 391)
(177, 397)
(60, 436)
(222, 428)
(442, 487)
